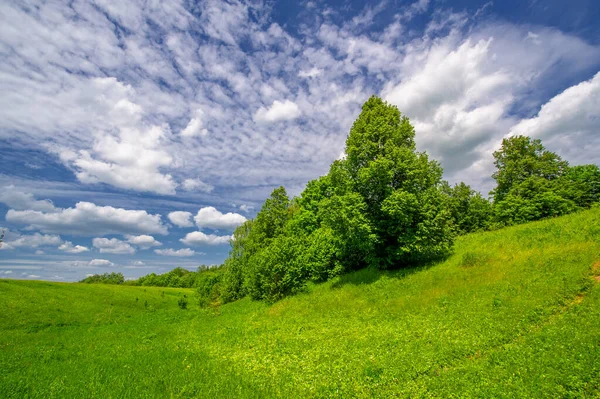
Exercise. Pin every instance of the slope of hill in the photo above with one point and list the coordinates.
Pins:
(512, 313)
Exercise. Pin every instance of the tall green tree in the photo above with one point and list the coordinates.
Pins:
(521, 158)
(399, 185)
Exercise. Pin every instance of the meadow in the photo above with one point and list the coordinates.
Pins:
(511, 313)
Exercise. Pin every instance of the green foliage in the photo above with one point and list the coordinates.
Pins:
(381, 206)
(521, 158)
(400, 187)
(534, 183)
(469, 211)
(581, 184)
(512, 313)
(106, 278)
(208, 285)
(182, 302)
(176, 278)
(533, 199)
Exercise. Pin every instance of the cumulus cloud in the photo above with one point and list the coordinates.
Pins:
(196, 185)
(117, 130)
(33, 241)
(19, 200)
(99, 262)
(143, 241)
(88, 219)
(112, 246)
(569, 122)
(459, 90)
(69, 248)
(184, 252)
(132, 161)
(196, 126)
(210, 217)
(181, 218)
(200, 238)
(278, 111)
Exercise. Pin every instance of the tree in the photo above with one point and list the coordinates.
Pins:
(249, 241)
(381, 206)
(581, 184)
(533, 199)
(399, 186)
(521, 158)
(534, 183)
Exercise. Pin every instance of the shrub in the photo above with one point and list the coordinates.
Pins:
(182, 302)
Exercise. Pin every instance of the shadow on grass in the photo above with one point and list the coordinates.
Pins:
(370, 275)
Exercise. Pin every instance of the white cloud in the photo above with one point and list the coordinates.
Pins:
(181, 219)
(416, 8)
(310, 73)
(39, 252)
(88, 219)
(171, 252)
(127, 131)
(278, 111)
(112, 246)
(68, 247)
(34, 241)
(459, 91)
(199, 238)
(196, 126)
(20, 201)
(130, 161)
(143, 241)
(569, 122)
(210, 217)
(99, 262)
(246, 208)
(196, 185)
(6, 272)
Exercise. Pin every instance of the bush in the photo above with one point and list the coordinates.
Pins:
(182, 302)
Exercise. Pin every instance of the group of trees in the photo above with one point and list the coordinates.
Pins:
(382, 206)
(534, 183)
(106, 278)
(385, 206)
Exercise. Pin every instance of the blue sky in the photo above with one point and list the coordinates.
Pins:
(135, 136)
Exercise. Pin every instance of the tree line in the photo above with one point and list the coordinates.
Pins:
(386, 206)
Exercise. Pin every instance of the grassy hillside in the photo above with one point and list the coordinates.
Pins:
(513, 313)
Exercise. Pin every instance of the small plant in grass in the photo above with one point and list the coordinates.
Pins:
(471, 259)
(182, 302)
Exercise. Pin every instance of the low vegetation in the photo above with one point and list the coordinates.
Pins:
(511, 313)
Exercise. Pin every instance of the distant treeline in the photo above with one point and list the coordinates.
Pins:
(385, 206)
(205, 280)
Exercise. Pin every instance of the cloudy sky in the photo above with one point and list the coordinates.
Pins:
(135, 136)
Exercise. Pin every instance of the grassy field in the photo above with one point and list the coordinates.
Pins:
(513, 313)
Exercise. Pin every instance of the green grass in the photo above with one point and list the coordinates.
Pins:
(512, 313)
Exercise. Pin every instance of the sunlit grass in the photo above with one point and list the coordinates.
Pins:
(512, 313)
